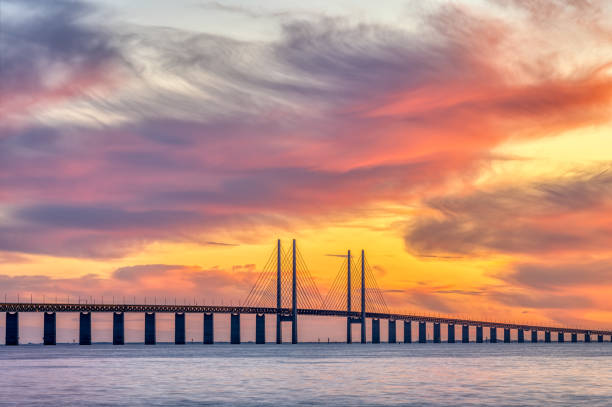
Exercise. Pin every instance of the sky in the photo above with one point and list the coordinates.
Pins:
(158, 149)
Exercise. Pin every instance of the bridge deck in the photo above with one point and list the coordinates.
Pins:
(38, 307)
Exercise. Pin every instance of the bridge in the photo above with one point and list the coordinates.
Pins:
(286, 289)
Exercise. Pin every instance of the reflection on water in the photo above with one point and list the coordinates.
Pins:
(323, 374)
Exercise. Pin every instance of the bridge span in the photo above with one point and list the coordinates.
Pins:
(287, 278)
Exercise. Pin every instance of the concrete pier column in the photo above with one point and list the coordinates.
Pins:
(437, 332)
(392, 332)
(260, 328)
(587, 337)
(235, 329)
(407, 332)
(506, 335)
(521, 335)
(375, 330)
(547, 336)
(534, 336)
(599, 338)
(451, 333)
(574, 337)
(12, 329)
(85, 328)
(49, 328)
(150, 328)
(118, 328)
(422, 332)
(179, 328)
(465, 334)
(493, 334)
(479, 334)
(209, 337)
(560, 337)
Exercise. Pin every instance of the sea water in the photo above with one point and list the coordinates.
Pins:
(473, 374)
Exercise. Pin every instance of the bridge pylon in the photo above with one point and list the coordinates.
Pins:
(350, 319)
(286, 285)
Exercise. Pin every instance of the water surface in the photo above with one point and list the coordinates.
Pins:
(308, 374)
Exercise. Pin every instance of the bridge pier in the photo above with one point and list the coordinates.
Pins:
(479, 335)
(118, 328)
(49, 328)
(422, 332)
(392, 331)
(150, 328)
(209, 337)
(260, 328)
(534, 336)
(407, 332)
(587, 337)
(465, 334)
(12, 329)
(560, 337)
(451, 333)
(547, 336)
(436, 332)
(493, 334)
(521, 335)
(574, 337)
(85, 328)
(375, 330)
(179, 328)
(599, 338)
(235, 329)
(506, 335)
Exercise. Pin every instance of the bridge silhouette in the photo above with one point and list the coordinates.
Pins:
(286, 289)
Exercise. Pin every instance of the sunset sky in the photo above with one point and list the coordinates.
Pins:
(159, 148)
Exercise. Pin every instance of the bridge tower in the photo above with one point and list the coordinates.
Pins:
(280, 317)
(349, 318)
(279, 305)
(294, 327)
(363, 299)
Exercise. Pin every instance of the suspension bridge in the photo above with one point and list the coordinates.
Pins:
(286, 289)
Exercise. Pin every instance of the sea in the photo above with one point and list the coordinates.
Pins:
(527, 374)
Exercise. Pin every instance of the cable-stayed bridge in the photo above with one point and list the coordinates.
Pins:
(285, 288)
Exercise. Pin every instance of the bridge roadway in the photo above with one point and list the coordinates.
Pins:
(229, 309)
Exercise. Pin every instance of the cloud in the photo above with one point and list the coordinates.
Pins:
(564, 215)
(551, 276)
(50, 54)
(161, 280)
(334, 119)
(541, 301)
